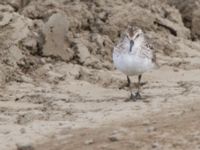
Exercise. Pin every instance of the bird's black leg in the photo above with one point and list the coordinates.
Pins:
(132, 96)
(129, 81)
(128, 84)
(137, 94)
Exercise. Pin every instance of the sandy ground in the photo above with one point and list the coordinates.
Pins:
(177, 129)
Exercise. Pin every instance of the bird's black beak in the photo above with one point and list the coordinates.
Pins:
(131, 45)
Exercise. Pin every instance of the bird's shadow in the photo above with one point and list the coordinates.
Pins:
(143, 98)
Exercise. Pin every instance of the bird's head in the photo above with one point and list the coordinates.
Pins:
(135, 36)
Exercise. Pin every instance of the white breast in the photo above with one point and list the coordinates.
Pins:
(131, 64)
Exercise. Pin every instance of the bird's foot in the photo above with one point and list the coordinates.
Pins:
(138, 96)
(133, 97)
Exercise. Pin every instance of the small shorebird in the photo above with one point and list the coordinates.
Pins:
(134, 56)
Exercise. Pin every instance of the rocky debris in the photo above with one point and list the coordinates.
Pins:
(31, 43)
(21, 28)
(82, 52)
(39, 9)
(16, 4)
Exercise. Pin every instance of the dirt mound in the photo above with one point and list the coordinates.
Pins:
(82, 32)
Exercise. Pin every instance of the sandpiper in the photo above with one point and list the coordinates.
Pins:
(133, 56)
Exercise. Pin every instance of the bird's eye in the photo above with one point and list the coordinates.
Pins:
(137, 36)
(126, 37)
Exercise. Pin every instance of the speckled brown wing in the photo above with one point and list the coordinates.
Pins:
(152, 55)
(148, 51)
